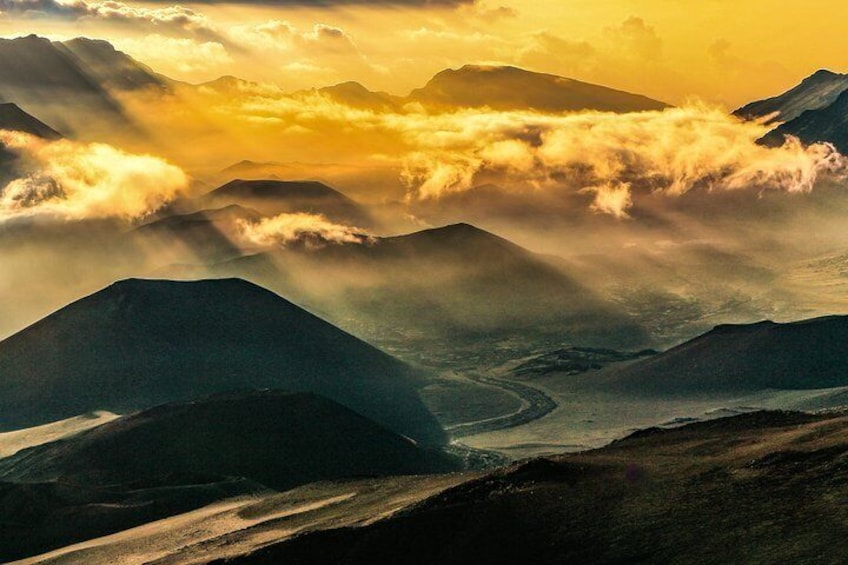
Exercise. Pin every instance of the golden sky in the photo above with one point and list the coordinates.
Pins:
(716, 50)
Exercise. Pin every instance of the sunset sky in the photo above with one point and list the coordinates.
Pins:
(715, 50)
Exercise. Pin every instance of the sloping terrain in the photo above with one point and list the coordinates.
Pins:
(754, 488)
(275, 438)
(178, 457)
(43, 76)
(140, 343)
(827, 124)
(760, 487)
(38, 517)
(808, 354)
(455, 286)
(204, 236)
(273, 197)
(12, 117)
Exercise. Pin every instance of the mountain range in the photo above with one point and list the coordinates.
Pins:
(91, 76)
(44, 76)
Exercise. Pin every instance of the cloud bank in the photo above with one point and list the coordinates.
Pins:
(614, 156)
(75, 181)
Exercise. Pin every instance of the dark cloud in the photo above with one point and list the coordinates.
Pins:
(170, 18)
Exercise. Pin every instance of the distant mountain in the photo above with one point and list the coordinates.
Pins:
(511, 88)
(809, 354)
(206, 235)
(68, 85)
(817, 91)
(278, 439)
(828, 124)
(273, 197)
(13, 118)
(139, 343)
(457, 286)
(355, 95)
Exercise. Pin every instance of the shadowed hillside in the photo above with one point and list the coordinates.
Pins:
(455, 285)
(139, 343)
(808, 354)
(44, 77)
(13, 118)
(753, 488)
(275, 438)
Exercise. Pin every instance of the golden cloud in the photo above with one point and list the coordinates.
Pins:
(313, 230)
(76, 181)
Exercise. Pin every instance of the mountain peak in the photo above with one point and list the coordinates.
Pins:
(821, 74)
(511, 88)
(816, 91)
(141, 342)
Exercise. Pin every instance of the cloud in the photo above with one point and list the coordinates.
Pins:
(313, 230)
(70, 180)
(327, 53)
(608, 161)
(158, 51)
(170, 18)
(281, 34)
(614, 156)
(636, 38)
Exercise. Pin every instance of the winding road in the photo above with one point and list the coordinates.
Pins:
(536, 404)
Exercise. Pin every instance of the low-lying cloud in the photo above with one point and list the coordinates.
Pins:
(72, 180)
(615, 156)
(313, 230)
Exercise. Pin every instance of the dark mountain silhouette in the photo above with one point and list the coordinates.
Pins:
(511, 88)
(809, 354)
(139, 343)
(13, 118)
(273, 197)
(817, 91)
(275, 438)
(828, 124)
